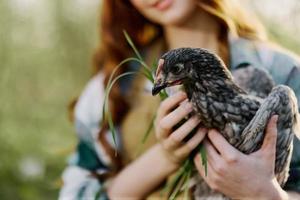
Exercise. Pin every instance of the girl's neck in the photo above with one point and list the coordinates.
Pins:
(199, 30)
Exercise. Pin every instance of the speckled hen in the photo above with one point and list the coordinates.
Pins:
(220, 103)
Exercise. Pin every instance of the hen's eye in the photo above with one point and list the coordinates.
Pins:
(176, 69)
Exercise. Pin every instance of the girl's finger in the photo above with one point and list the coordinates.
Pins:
(191, 144)
(170, 103)
(209, 176)
(175, 139)
(220, 143)
(212, 155)
(180, 133)
(269, 143)
(169, 121)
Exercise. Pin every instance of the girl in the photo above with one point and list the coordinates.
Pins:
(156, 26)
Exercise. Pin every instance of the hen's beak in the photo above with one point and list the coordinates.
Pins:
(158, 86)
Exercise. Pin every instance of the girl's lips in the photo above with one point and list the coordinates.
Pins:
(163, 4)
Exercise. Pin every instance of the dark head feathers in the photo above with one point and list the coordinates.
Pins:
(188, 65)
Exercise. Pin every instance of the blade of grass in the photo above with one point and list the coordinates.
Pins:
(110, 84)
(171, 187)
(202, 152)
(145, 136)
(129, 41)
(111, 79)
(186, 187)
(106, 104)
(181, 178)
(149, 75)
(178, 186)
(146, 73)
(163, 94)
(147, 70)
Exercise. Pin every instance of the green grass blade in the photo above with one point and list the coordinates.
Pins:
(179, 180)
(110, 81)
(146, 135)
(203, 154)
(146, 73)
(183, 179)
(148, 76)
(130, 42)
(147, 70)
(106, 104)
(179, 186)
(186, 187)
(170, 187)
(163, 94)
(119, 66)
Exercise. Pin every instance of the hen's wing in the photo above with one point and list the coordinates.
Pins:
(254, 81)
(282, 102)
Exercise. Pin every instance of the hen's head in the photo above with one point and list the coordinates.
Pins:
(187, 65)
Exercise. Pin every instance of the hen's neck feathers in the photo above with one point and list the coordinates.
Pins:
(214, 93)
(214, 80)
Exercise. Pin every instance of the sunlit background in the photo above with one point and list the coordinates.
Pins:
(45, 53)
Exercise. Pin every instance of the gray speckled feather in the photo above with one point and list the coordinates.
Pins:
(254, 81)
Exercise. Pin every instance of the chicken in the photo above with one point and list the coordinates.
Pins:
(221, 104)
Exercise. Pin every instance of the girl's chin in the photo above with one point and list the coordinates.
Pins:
(173, 16)
(173, 20)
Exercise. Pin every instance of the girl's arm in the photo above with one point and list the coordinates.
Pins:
(147, 172)
(143, 175)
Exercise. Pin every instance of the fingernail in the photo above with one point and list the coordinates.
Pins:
(195, 118)
(188, 106)
(184, 102)
(214, 131)
(202, 131)
(205, 130)
(210, 131)
(275, 118)
(205, 143)
(197, 157)
(183, 94)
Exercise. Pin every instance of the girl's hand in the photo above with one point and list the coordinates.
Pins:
(241, 176)
(172, 141)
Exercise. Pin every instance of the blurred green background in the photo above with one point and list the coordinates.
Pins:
(45, 61)
(45, 53)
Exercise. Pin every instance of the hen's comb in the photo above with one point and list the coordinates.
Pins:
(159, 67)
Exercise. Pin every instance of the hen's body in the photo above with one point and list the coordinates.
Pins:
(221, 104)
(231, 116)
(225, 109)
(254, 81)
